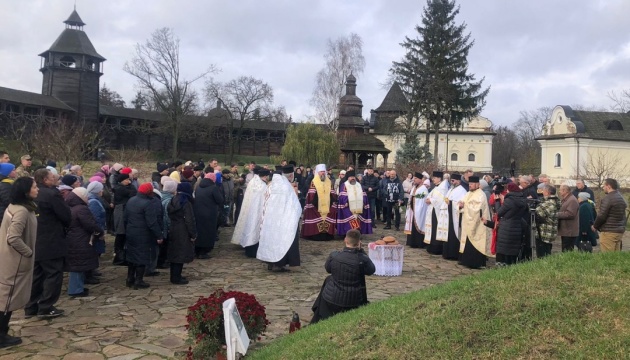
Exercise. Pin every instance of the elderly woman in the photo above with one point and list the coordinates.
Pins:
(18, 233)
(512, 229)
(81, 256)
(97, 207)
(587, 215)
(169, 189)
(182, 232)
(208, 199)
(123, 191)
(143, 231)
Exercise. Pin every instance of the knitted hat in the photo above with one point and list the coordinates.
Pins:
(185, 187)
(95, 178)
(188, 173)
(512, 187)
(161, 167)
(122, 177)
(165, 179)
(134, 171)
(52, 169)
(69, 179)
(126, 170)
(170, 187)
(82, 193)
(584, 196)
(211, 176)
(117, 167)
(146, 189)
(101, 174)
(95, 187)
(105, 169)
(175, 176)
(6, 168)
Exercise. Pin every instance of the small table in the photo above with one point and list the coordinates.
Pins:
(388, 259)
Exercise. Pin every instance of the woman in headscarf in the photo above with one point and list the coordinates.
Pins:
(123, 191)
(208, 198)
(81, 256)
(19, 232)
(97, 205)
(143, 231)
(169, 189)
(182, 232)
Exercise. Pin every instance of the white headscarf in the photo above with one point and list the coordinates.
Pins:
(320, 167)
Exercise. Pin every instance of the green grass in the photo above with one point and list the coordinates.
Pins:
(568, 306)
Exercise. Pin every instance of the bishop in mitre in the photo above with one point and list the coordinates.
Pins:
(416, 212)
(279, 225)
(353, 207)
(435, 226)
(450, 209)
(475, 237)
(247, 230)
(320, 216)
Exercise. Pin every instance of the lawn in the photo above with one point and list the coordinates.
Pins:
(567, 306)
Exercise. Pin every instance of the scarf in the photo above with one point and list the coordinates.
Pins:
(323, 195)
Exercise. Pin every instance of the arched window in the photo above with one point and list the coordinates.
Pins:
(558, 161)
(453, 157)
(471, 157)
(67, 61)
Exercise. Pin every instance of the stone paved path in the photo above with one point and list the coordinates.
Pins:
(123, 324)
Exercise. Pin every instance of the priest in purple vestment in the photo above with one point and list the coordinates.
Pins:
(353, 207)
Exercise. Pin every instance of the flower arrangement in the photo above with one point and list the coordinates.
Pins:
(205, 326)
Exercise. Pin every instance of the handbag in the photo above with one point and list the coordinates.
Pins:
(585, 245)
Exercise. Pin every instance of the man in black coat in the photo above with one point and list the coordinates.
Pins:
(345, 288)
(581, 187)
(369, 183)
(50, 249)
(393, 197)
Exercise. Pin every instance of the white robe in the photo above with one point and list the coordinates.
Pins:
(437, 196)
(454, 196)
(416, 216)
(280, 220)
(247, 230)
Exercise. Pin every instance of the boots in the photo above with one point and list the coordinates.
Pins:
(131, 275)
(139, 283)
(119, 257)
(176, 274)
(7, 340)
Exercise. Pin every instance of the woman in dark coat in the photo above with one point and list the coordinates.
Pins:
(182, 232)
(512, 226)
(143, 231)
(208, 198)
(123, 191)
(587, 219)
(81, 254)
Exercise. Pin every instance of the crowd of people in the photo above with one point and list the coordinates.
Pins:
(55, 221)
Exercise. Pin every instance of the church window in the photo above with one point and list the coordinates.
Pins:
(67, 61)
(453, 157)
(471, 157)
(558, 161)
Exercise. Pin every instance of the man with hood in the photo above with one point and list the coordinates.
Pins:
(436, 230)
(319, 212)
(247, 230)
(279, 223)
(416, 212)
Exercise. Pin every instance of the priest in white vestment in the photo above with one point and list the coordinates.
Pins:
(279, 225)
(475, 239)
(247, 230)
(436, 227)
(450, 209)
(353, 207)
(416, 212)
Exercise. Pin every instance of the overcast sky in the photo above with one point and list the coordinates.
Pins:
(532, 53)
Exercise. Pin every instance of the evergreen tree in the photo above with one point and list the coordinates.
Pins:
(411, 152)
(109, 97)
(140, 102)
(434, 73)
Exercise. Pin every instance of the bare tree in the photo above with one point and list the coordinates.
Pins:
(156, 67)
(243, 99)
(602, 164)
(67, 140)
(343, 57)
(621, 101)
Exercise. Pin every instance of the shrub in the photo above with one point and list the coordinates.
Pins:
(205, 326)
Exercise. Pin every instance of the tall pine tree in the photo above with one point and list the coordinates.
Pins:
(434, 73)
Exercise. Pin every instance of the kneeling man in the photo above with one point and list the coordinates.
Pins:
(344, 289)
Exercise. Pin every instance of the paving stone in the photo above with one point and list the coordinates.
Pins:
(83, 356)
